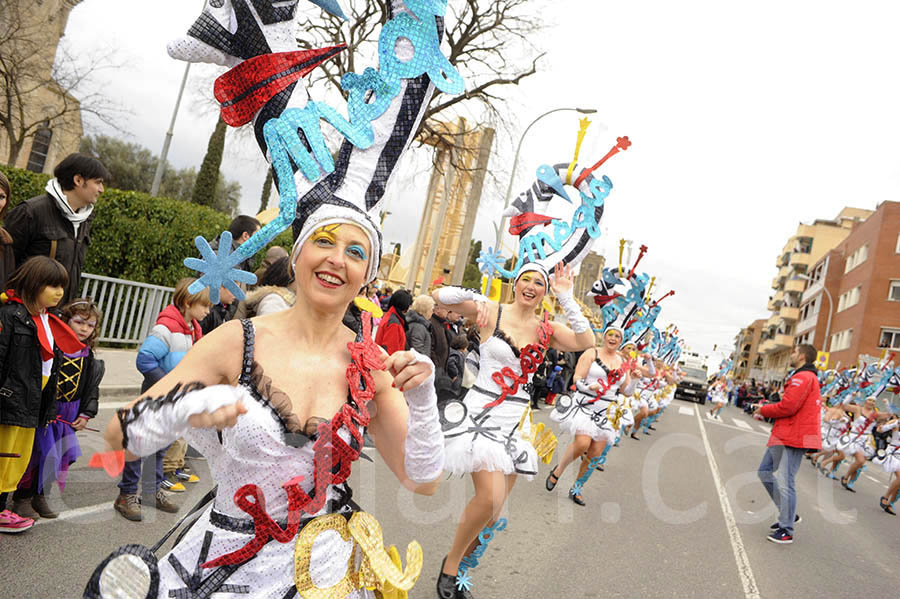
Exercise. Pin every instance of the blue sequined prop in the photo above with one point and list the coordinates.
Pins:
(592, 466)
(218, 270)
(463, 580)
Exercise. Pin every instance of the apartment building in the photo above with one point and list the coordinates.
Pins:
(800, 252)
(748, 362)
(862, 276)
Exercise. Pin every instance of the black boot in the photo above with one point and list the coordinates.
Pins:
(446, 586)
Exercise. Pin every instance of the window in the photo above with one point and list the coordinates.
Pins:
(849, 298)
(40, 146)
(841, 341)
(898, 243)
(894, 293)
(857, 258)
(889, 339)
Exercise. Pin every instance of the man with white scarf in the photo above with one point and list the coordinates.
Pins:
(58, 223)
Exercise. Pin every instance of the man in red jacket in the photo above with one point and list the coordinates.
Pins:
(797, 428)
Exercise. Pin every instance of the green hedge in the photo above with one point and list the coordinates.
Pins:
(136, 236)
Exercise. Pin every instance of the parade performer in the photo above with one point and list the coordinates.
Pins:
(31, 343)
(485, 431)
(853, 441)
(77, 395)
(889, 459)
(834, 423)
(279, 404)
(486, 439)
(599, 375)
(718, 395)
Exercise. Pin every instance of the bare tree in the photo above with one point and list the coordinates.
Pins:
(42, 86)
(486, 40)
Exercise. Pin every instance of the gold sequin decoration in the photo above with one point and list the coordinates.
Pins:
(380, 569)
(542, 438)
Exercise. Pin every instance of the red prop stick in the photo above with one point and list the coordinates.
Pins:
(622, 143)
(87, 428)
(113, 462)
(672, 292)
(10, 455)
(636, 262)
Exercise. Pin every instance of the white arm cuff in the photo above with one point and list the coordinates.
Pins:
(576, 319)
(155, 422)
(450, 296)
(424, 447)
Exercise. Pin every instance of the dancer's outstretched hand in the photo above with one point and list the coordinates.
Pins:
(562, 280)
(224, 417)
(482, 320)
(409, 369)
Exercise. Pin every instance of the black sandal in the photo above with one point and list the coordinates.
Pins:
(844, 480)
(886, 506)
(635, 437)
(576, 497)
(550, 485)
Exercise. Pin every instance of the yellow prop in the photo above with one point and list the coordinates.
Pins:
(621, 250)
(542, 438)
(652, 280)
(496, 287)
(584, 124)
(379, 568)
(367, 305)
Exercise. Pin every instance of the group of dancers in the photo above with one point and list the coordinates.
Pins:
(858, 434)
(279, 404)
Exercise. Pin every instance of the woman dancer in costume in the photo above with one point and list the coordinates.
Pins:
(890, 462)
(853, 442)
(834, 423)
(719, 397)
(599, 374)
(279, 404)
(487, 442)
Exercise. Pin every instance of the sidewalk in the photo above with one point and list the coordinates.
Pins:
(122, 380)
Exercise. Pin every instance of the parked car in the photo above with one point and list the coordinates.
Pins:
(693, 386)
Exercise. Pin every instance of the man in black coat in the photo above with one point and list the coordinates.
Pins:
(58, 223)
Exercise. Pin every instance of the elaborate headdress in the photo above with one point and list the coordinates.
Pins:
(568, 241)
(264, 86)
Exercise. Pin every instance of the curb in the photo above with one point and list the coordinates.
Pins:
(118, 392)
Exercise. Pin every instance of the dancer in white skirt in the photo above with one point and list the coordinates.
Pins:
(852, 443)
(889, 460)
(718, 397)
(599, 374)
(482, 432)
(834, 424)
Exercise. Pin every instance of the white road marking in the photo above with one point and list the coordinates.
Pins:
(742, 424)
(737, 428)
(685, 411)
(751, 591)
(764, 429)
(113, 405)
(75, 513)
(873, 479)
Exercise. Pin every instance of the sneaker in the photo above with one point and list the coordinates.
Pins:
(781, 536)
(24, 509)
(40, 505)
(12, 522)
(184, 476)
(129, 506)
(797, 520)
(171, 486)
(164, 504)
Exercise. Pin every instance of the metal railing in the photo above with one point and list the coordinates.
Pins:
(129, 308)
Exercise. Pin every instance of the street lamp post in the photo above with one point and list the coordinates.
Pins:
(512, 177)
(825, 342)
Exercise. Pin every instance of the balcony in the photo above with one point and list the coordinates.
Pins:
(777, 343)
(773, 320)
(797, 285)
(799, 258)
(785, 272)
(777, 283)
(789, 313)
(811, 291)
(807, 323)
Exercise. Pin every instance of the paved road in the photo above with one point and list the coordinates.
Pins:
(666, 519)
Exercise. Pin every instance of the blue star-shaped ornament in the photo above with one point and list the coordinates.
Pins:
(218, 269)
(577, 487)
(463, 582)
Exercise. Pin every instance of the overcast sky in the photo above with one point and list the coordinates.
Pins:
(746, 118)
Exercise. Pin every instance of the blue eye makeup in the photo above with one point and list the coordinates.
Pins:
(357, 251)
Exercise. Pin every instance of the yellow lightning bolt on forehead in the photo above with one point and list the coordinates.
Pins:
(621, 249)
(582, 131)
